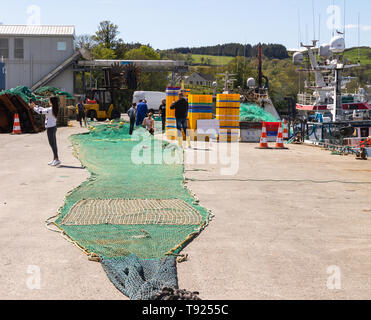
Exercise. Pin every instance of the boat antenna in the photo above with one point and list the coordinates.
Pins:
(319, 28)
(306, 33)
(260, 66)
(244, 64)
(344, 18)
(299, 29)
(359, 37)
(238, 52)
(333, 20)
(314, 21)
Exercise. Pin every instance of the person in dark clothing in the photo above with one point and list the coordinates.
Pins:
(132, 112)
(181, 114)
(142, 111)
(162, 111)
(81, 115)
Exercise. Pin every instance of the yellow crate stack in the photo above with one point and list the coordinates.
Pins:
(200, 108)
(228, 114)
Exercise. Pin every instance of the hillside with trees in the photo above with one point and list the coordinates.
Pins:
(272, 51)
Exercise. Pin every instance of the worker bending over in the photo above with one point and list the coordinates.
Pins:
(149, 124)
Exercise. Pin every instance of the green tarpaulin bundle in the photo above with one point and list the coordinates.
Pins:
(254, 113)
(41, 94)
(23, 92)
(52, 91)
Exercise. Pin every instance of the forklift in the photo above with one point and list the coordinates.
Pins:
(99, 103)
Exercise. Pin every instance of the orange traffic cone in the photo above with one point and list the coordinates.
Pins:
(285, 131)
(279, 143)
(264, 140)
(16, 125)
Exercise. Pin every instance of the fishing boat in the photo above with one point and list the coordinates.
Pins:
(332, 115)
(256, 95)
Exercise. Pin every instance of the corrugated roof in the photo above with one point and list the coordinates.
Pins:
(207, 77)
(36, 30)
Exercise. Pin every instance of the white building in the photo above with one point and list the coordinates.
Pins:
(199, 79)
(36, 56)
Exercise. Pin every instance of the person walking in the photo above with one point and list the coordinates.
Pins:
(81, 113)
(149, 124)
(51, 115)
(181, 114)
(162, 111)
(142, 111)
(132, 112)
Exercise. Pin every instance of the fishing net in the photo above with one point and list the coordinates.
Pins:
(134, 212)
(42, 94)
(52, 91)
(254, 113)
(21, 91)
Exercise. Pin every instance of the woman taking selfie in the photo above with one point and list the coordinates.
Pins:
(51, 115)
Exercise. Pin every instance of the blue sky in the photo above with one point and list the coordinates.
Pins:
(166, 24)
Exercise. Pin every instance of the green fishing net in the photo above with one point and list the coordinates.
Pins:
(134, 204)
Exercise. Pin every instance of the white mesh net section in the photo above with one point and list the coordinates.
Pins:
(132, 212)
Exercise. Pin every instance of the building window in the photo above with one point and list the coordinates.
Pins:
(62, 46)
(4, 48)
(18, 49)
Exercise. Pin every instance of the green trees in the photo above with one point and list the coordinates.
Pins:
(105, 43)
(142, 53)
(107, 35)
(101, 52)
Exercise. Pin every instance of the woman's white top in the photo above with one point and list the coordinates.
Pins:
(50, 119)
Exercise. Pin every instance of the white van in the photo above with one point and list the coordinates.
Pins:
(154, 98)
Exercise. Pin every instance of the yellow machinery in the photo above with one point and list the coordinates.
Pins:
(101, 106)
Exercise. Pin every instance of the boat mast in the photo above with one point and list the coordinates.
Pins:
(337, 108)
(260, 67)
